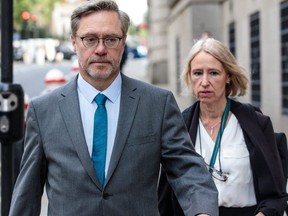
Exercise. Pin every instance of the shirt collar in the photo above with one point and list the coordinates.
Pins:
(89, 92)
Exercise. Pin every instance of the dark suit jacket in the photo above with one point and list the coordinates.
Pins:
(150, 131)
(268, 176)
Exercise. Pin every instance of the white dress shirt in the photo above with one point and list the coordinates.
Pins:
(238, 190)
(88, 107)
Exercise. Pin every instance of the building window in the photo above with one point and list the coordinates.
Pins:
(284, 56)
(232, 39)
(255, 59)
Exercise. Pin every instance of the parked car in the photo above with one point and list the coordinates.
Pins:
(66, 48)
(139, 51)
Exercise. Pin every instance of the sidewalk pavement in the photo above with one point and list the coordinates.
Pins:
(137, 69)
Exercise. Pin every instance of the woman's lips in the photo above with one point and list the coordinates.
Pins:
(205, 93)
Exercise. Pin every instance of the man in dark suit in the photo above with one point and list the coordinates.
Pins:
(144, 125)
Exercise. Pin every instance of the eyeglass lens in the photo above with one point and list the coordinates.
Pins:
(112, 42)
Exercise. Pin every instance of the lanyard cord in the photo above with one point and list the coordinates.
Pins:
(219, 135)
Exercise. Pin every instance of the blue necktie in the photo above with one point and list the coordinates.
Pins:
(100, 137)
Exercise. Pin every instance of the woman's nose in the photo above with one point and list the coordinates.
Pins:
(205, 80)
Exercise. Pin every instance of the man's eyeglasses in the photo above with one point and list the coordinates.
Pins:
(92, 41)
(218, 174)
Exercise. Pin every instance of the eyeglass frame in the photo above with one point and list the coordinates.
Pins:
(104, 39)
(223, 176)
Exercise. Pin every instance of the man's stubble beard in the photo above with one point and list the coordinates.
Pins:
(98, 73)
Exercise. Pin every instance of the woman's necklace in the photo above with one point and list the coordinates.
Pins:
(212, 128)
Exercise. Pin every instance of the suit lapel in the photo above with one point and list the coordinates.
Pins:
(128, 107)
(70, 110)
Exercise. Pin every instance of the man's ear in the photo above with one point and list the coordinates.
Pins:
(124, 39)
(73, 41)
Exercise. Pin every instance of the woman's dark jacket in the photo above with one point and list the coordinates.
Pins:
(269, 181)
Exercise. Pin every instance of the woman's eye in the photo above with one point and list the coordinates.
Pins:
(214, 73)
(197, 73)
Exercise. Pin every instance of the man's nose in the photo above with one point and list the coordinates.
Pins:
(100, 48)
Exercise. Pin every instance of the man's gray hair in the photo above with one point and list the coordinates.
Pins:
(94, 6)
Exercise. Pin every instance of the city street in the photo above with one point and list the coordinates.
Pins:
(31, 76)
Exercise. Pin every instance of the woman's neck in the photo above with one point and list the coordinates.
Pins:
(212, 111)
(211, 117)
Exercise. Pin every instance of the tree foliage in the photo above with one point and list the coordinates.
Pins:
(42, 9)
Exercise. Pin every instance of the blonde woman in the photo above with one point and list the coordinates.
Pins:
(238, 146)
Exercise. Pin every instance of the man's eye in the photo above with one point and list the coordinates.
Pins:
(111, 40)
(90, 39)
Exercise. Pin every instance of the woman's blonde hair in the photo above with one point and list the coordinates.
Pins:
(239, 81)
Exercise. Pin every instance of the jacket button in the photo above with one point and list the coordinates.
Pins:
(105, 196)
